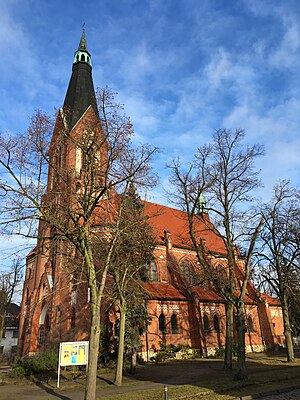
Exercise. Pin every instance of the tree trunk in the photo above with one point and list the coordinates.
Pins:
(91, 379)
(2, 322)
(287, 332)
(229, 336)
(119, 368)
(133, 361)
(241, 331)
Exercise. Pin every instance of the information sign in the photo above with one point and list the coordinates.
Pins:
(72, 353)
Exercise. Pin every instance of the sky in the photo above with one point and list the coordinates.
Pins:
(182, 68)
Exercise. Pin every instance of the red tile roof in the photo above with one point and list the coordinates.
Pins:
(272, 301)
(163, 291)
(207, 294)
(166, 218)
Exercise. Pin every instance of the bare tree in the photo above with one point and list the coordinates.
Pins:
(280, 250)
(134, 247)
(224, 172)
(9, 282)
(86, 168)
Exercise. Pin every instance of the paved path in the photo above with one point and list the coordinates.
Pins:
(45, 392)
(294, 395)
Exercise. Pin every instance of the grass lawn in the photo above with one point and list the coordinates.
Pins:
(185, 379)
(265, 373)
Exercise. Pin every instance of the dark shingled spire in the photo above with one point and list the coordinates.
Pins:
(81, 93)
(82, 44)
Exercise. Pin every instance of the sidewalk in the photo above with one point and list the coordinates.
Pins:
(41, 391)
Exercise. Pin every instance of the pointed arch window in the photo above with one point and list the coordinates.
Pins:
(41, 336)
(206, 326)
(162, 323)
(250, 324)
(188, 271)
(174, 324)
(222, 274)
(78, 161)
(73, 318)
(151, 271)
(82, 57)
(44, 290)
(216, 323)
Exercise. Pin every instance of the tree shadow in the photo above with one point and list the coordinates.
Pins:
(108, 381)
(203, 373)
(52, 391)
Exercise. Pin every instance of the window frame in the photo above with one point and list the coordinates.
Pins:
(162, 324)
(174, 327)
(216, 321)
(206, 323)
(152, 271)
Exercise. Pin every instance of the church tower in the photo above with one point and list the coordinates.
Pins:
(51, 303)
(80, 94)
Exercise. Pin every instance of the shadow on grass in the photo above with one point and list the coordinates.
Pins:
(263, 375)
(108, 381)
(52, 391)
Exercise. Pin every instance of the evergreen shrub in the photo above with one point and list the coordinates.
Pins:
(40, 365)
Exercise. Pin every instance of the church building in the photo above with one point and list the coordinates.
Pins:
(181, 310)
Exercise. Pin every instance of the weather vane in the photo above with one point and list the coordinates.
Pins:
(83, 25)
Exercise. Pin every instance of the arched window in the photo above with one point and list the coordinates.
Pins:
(82, 57)
(29, 271)
(162, 323)
(174, 324)
(58, 314)
(44, 290)
(221, 272)
(205, 323)
(250, 324)
(188, 272)
(78, 161)
(43, 315)
(73, 318)
(216, 324)
(41, 336)
(151, 270)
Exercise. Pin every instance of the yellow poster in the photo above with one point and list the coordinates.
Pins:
(73, 353)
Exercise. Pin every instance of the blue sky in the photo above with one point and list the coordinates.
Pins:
(182, 68)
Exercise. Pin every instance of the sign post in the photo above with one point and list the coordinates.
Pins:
(72, 353)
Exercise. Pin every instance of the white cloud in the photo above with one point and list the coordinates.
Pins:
(219, 69)
(287, 53)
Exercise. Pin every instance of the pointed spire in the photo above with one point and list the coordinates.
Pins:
(82, 44)
(80, 94)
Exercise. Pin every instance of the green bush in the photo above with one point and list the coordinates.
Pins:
(185, 350)
(219, 353)
(38, 365)
(17, 372)
(168, 351)
(235, 349)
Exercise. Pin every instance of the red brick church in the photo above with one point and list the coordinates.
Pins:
(181, 312)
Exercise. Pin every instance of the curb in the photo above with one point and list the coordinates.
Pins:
(266, 394)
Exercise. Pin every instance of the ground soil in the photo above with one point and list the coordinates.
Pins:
(148, 376)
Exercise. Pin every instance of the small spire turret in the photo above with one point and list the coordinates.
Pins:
(201, 206)
(82, 54)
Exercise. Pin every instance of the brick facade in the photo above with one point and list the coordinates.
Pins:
(182, 311)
